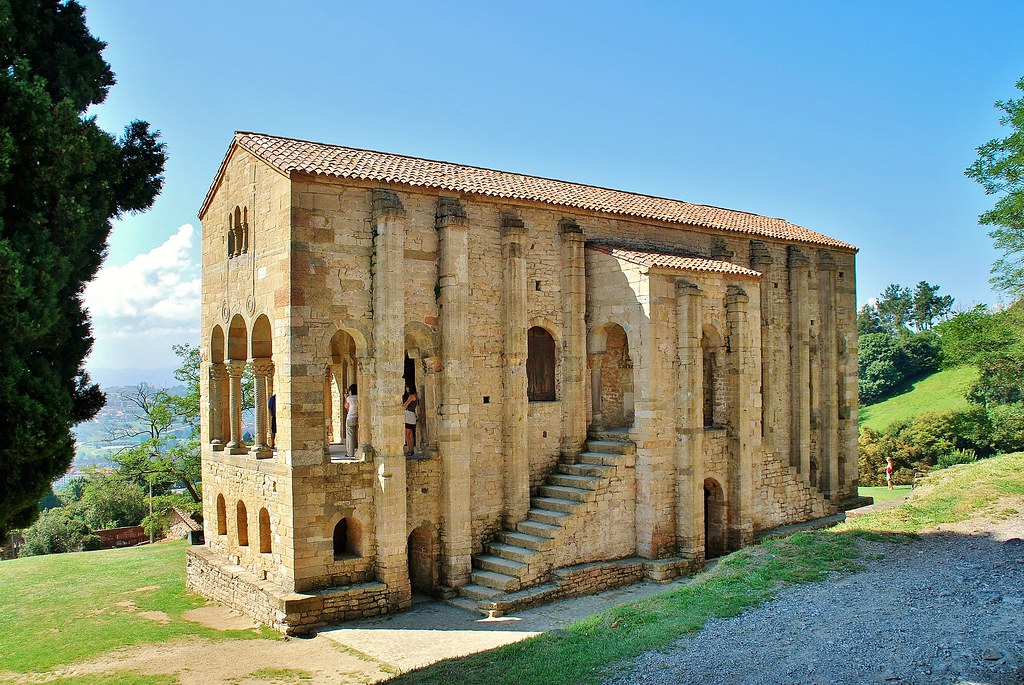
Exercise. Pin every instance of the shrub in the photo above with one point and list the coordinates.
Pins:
(56, 531)
(956, 457)
(91, 542)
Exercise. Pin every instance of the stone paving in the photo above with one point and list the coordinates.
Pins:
(433, 631)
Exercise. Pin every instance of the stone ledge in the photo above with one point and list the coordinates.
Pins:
(288, 612)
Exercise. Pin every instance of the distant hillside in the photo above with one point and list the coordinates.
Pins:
(940, 392)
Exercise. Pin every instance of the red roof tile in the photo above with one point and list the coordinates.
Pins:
(652, 258)
(298, 156)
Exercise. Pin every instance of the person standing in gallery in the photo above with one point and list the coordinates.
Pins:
(351, 420)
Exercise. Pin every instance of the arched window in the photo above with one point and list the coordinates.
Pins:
(348, 541)
(243, 525)
(264, 531)
(222, 516)
(540, 365)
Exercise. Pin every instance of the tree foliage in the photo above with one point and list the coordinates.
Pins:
(56, 531)
(994, 342)
(62, 179)
(1000, 171)
(160, 455)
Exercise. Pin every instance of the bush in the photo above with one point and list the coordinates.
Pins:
(956, 457)
(112, 502)
(1007, 422)
(56, 531)
(91, 542)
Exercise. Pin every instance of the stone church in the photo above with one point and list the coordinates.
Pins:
(610, 386)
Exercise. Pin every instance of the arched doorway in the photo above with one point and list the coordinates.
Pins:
(714, 519)
(340, 375)
(421, 561)
(615, 393)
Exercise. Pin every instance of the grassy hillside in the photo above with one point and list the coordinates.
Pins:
(940, 392)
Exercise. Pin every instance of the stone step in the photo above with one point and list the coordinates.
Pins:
(548, 516)
(520, 554)
(510, 567)
(498, 581)
(607, 446)
(538, 528)
(567, 493)
(598, 470)
(599, 458)
(467, 604)
(554, 504)
(574, 481)
(478, 592)
(525, 540)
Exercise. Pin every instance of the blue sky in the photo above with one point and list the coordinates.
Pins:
(855, 119)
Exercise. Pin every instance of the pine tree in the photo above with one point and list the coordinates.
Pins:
(62, 180)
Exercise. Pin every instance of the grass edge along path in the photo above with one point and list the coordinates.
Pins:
(589, 650)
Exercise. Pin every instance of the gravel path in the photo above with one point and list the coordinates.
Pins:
(948, 608)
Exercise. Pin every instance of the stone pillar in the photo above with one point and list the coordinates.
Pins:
(596, 417)
(453, 410)
(828, 358)
(364, 372)
(574, 340)
(800, 354)
(235, 369)
(689, 411)
(218, 375)
(387, 428)
(515, 401)
(262, 369)
(744, 430)
(761, 261)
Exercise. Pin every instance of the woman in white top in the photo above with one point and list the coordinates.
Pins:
(351, 420)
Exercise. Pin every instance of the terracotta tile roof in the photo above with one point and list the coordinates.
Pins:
(298, 156)
(653, 258)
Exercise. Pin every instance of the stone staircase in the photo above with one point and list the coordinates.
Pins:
(519, 560)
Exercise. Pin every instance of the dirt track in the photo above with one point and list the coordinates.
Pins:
(948, 608)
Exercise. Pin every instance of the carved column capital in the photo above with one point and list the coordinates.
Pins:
(512, 226)
(218, 371)
(386, 203)
(568, 228)
(760, 256)
(684, 287)
(262, 367)
(236, 367)
(450, 213)
(797, 259)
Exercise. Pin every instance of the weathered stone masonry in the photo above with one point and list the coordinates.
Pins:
(610, 386)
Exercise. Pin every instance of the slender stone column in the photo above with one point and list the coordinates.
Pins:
(800, 354)
(828, 358)
(235, 369)
(218, 375)
(453, 410)
(386, 395)
(596, 417)
(689, 409)
(514, 415)
(761, 261)
(574, 337)
(364, 372)
(262, 369)
(742, 436)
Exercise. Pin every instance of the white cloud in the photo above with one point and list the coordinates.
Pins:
(146, 304)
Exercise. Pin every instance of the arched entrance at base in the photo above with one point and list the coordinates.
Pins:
(421, 561)
(714, 519)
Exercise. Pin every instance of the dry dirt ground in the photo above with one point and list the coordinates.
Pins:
(948, 608)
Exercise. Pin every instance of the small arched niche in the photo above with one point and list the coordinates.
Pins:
(348, 539)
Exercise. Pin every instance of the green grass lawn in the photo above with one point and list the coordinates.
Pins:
(940, 392)
(884, 494)
(63, 608)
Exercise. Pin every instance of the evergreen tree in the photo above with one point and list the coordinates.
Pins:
(1000, 171)
(62, 179)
